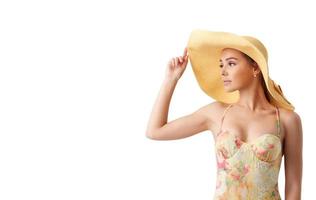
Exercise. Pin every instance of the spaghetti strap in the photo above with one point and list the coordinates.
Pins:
(278, 123)
(222, 118)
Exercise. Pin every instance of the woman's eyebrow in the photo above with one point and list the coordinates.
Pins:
(229, 58)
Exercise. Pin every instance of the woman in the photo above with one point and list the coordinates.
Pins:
(252, 122)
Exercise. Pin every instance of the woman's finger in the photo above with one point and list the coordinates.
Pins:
(172, 61)
(185, 51)
(186, 59)
(177, 61)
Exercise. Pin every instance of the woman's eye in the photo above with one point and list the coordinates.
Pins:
(230, 64)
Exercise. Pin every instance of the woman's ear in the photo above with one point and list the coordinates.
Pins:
(256, 69)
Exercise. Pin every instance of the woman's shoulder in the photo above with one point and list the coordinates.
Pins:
(289, 119)
(288, 115)
(215, 109)
(216, 106)
(214, 112)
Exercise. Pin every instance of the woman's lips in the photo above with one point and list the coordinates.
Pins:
(227, 82)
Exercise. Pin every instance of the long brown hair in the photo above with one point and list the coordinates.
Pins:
(264, 86)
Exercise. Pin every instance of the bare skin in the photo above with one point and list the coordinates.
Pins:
(252, 107)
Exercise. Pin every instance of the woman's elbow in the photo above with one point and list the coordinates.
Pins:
(149, 135)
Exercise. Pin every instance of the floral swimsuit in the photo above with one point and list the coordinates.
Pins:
(248, 170)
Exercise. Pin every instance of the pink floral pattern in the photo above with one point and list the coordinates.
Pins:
(247, 170)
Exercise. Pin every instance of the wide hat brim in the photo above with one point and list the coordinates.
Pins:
(204, 49)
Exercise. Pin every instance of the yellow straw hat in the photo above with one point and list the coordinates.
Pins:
(205, 47)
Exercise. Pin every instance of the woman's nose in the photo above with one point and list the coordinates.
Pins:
(223, 72)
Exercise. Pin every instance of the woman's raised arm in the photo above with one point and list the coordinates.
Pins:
(158, 127)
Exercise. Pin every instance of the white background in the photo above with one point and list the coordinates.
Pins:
(78, 80)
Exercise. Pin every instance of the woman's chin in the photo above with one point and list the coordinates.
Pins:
(229, 89)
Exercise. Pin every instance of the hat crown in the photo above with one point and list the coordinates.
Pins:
(258, 44)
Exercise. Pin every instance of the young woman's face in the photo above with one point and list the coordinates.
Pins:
(235, 69)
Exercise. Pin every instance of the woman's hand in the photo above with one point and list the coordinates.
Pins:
(176, 66)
